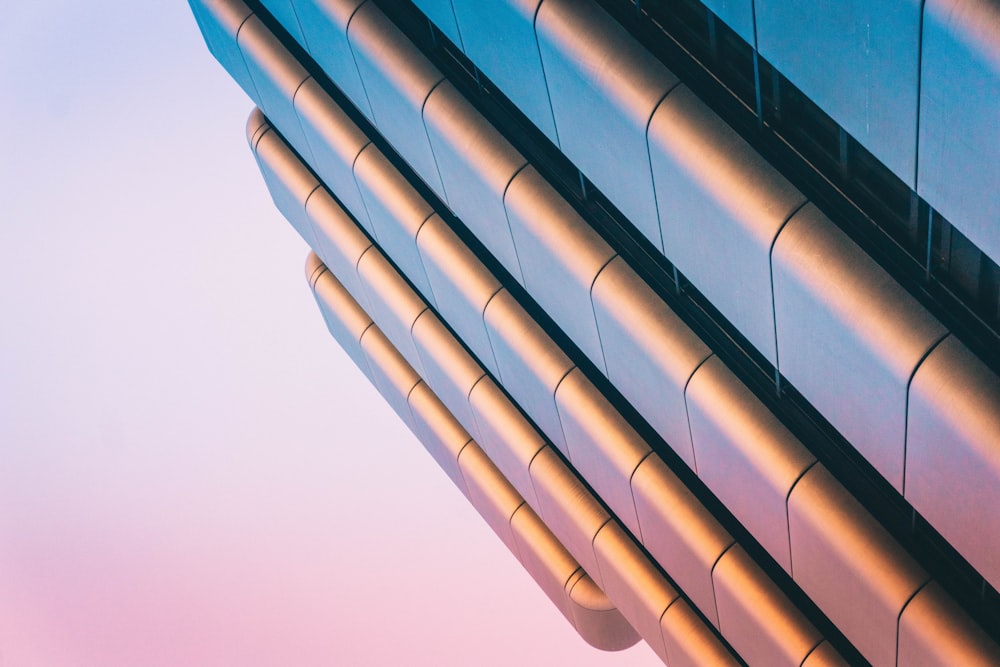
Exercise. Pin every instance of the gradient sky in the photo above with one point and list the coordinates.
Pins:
(191, 470)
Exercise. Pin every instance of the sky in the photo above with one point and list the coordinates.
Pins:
(191, 470)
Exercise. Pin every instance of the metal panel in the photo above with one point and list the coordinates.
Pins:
(461, 285)
(345, 319)
(560, 255)
(396, 212)
(284, 11)
(953, 452)
(650, 353)
(824, 655)
(596, 618)
(339, 240)
(936, 632)
(601, 445)
(334, 141)
(744, 454)
(721, 206)
(679, 532)
(499, 37)
(689, 642)
(439, 432)
(737, 14)
(442, 15)
(545, 559)
(220, 22)
(507, 437)
(604, 87)
(276, 75)
(289, 182)
(490, 493)
(569, 510)
(756, 617)
(859, 61)
(476, 163)
(634, 584)
(398, 79)
(847, 563)
(529, 364)
(849, 336)
(959, 111)
(324, 27)
(447, 367)
(391, 302)
(391, 375)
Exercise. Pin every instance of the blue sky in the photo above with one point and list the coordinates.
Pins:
(191, 471)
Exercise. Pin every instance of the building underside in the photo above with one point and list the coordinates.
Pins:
(697, 304)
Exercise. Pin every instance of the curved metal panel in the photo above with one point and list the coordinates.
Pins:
(490, 493)
(604, 87)
(284, 11)
(756, 617)
(847, 563)
(392, 303)
(744, 454)
(476, 163)
(448, 368)
(935, 632)
(288, 181)
(859, 61)
(689, 642)
(220, 22)
(345, 319)
(650, 353)
(679, 532)
(339, 240)
(596, 618)
(396, 211)
(529, 364)
(391, 375)
(324, 28)
(461, 285)
(334, 141)
(569, 510)
(738, 15)
(959, 107)
(397, 78)
(276, 75)
(640, 591)
(721, 206)
(256, 126)
(499, 37)
(439, 432)
(545, 559)
(824, 655)
(507, 437)
(953, 452)
(560, 255)
(849, 336)
(602, 446)
(442, 15)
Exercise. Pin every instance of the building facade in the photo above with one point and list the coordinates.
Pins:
(696, 304)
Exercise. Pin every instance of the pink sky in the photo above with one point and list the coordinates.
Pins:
(191, 471)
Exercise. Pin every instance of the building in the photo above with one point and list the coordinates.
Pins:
(709, 343)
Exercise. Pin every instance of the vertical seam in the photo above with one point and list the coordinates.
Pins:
(649, 161)
(788, 516)
(906, 410)
(687, 412)
(906, 604)
(545, 78)
(920, 77)
(430, 145)
(770, 271)
(354, 57)
(593, 312)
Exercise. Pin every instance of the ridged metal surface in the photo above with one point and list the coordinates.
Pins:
(959, 112)
(721, 206)
(592, 64)
(849, 337)
(953, 452)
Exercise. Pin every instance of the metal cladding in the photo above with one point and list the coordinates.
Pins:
(612, 448)
(582, 603)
